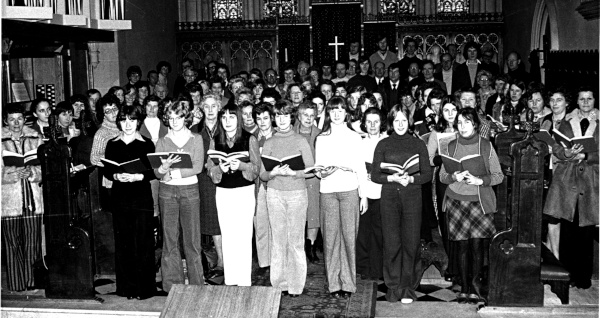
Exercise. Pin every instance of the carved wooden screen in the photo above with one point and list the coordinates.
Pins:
(294, 44)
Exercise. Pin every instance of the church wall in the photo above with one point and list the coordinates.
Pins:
(517, 27)
(574, 32)
(151, 39)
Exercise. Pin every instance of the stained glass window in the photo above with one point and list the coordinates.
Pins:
(227, 9)
(398, 6)
(281, 8)
(453, 6)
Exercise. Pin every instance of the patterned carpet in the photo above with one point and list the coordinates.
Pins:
(315, 300)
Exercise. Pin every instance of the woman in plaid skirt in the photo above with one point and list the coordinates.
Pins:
(470, 200)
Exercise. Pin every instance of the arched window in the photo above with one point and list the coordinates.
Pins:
(281, 8)
(398, 6)
(453, 6)
(227, 9)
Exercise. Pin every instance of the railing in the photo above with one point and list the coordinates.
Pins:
(453, 18)
(228, 25)
(97, 14)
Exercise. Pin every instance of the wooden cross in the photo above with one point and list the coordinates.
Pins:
(336, 44)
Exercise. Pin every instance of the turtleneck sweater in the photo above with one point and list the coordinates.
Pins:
(397, 149)
(282, 145)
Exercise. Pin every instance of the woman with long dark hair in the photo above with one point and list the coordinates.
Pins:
(470, 202)
(133, 208)
(342, 184)
(369, 242)
(235, 194)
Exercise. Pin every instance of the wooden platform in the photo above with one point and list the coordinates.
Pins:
(221, 301)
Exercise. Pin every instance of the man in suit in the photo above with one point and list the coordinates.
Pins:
(488, 64)
(446, 73)
(392, 85)
(427, 72)
(464, 76)
(379, 71)
(354, 53)
(216, 86)
(410, 57)
(413, 71)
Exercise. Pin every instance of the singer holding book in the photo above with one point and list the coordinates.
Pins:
(444, 131)
(287, 201)
(401, 205)
(369, 241)
(470, 202)
(179, 197)
(235, 194)
(22, 201)
(133, 207)
(573, 195)
(342, 198)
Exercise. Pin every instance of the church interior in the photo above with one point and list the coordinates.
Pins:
(56, 49)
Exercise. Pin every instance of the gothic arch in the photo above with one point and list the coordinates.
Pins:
(545, 11)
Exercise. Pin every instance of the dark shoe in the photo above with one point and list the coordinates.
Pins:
(144, 297)
(583, 283)
(215, 272)
(307, 250)
(294, 295)
(336, 294)
(313, 250)
(263, 271)
(130, 297)
(473, 299)
(161, 293)
(284, 293)
(346, 294)
(462, 298)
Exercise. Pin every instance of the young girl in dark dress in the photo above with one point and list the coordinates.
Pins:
(133, 208)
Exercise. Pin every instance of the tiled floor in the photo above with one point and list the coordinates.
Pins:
(429, 290)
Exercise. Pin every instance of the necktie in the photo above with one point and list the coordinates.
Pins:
(394, 87)
(584, 123)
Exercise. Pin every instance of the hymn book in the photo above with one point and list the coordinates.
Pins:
(545, 136)
(410, 166)
(218, 156)
(131, 166)
(588, 142)
(185, 163)
(319, 168)
(473, 163)
(295, 162)
(14, 159)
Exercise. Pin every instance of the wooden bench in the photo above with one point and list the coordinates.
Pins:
(555, 275)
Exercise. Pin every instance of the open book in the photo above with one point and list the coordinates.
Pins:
(14, 159)
(185, 163)
(443, 139)
(545, 136)
(473, 163)
(319, 168)
(131, 166)
(497, 123)
(218, 156)
(588, 142)
(410, 166)
(295, 162)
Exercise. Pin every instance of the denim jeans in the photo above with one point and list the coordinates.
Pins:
(287, 215)
(180, 206)
(339, 225)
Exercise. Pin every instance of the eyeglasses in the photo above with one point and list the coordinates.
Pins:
(108, 111)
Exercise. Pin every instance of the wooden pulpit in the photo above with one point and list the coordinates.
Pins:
(515, 253)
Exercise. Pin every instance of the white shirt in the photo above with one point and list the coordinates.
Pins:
(342, 148)
(153, 126)
(372, 189)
